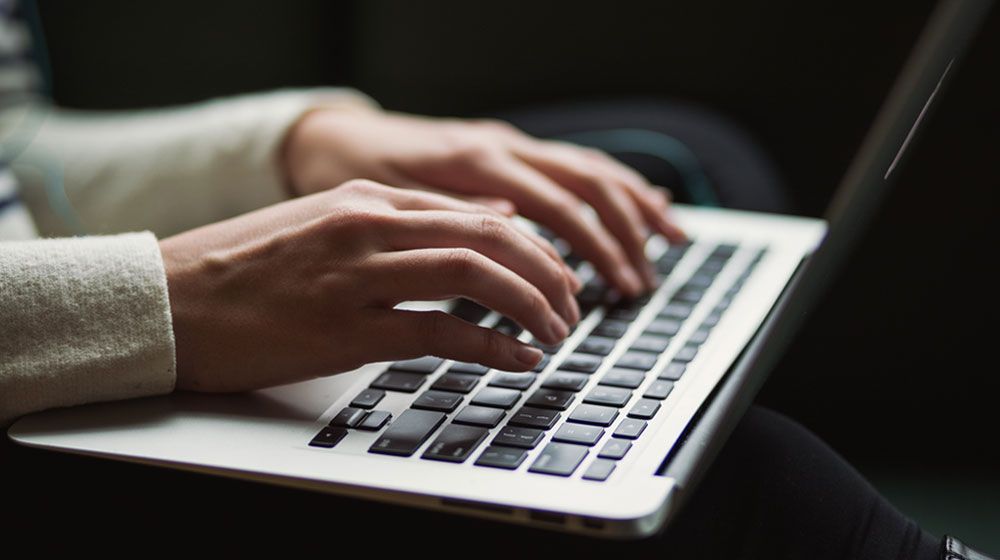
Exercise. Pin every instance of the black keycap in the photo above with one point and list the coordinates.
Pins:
(511, 380)
(408, 432)
(502, 457)
(643, 361)
(712, 319)
(455, 443)
(399, 381)
(724, 303)
(599, 470)
(597, 345)
(578, 433)
(547, 348)
(594, 414)
(437, 400)
(673, 371)
(624, 313)
(531, 417)
(348, 417)
(512, 436)
(712, 266)
(583, 363)
(675, 311)
(456, 382)
(630, 428)
(650, 343)
(427, 364)
(374, 421)
(479, 416)
(466, 367)
(508, 327)
(615, 449)
(546, 358)
(566, 381)
(611, 328)
(470, 311)
(663, 327)
(644, 409)
(559, 459)
(689, 295)
(686, 354)
(724, 251)
(610, 396)
(699, 336)
(701, 280)
(328, 437)
(659, 389)
(368, 398)
(628, 378)
(550, 398)
(496, 397)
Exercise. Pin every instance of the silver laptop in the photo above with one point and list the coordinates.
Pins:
(610, 433)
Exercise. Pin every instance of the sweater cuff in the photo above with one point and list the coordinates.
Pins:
(84, 320)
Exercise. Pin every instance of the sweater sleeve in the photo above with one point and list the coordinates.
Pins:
(83, 320)
(165, 170)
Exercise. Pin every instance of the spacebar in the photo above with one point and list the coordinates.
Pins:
(408, 432)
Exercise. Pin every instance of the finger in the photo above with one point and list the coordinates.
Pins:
(609, 198)
(405, 199)
(542, 200)
(420, 333)
(436, 274)
(496, 238)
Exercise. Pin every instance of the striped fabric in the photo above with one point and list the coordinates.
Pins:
(19, 83)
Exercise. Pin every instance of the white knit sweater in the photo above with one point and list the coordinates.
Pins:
(87, 319)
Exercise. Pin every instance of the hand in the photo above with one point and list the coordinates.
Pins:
(545, 181)
(308, 287)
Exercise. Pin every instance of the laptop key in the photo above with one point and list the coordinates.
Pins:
(673, 371)
(550, 398)
(659, 389)
(566, 381)
(348, 417)
(644, 409)
(470, 311)
(630, 428)
(512, 380)
(497, 397)
(663, 327)
(615, 449)
(650, 343)
(611, 328)
(502, 457)
(437, 400)
(375, 420)
(546, 358)
(610, 396)
(328, 437)
(508, 327)
(456, 382)
(583, 363)
(699, 336)
(427, 364)
(599, 470)
(643, 361)
(559, 459)
(624, 313)
(594, 414)
(512, 436)
(686, 354)
(531, 417)
(627, 378)
(675, 311)
(408, 432)
(578, 433)
(467, 367)
(597, 345)
(399, 381)
(479, 416)
(455, 443)
(368, 398)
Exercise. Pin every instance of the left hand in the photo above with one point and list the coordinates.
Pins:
(494, 163)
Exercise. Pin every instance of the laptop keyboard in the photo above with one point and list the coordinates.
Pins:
(469, 410)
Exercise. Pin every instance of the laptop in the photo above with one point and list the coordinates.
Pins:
(611, 432)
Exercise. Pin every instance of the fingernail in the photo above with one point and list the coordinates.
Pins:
(528, 355)
(558, 328)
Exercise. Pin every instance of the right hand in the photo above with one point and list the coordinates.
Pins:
(308, 287)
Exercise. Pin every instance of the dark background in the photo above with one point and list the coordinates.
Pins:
(895, 369)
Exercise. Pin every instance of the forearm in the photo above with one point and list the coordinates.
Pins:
(83, 320)
(165, 170)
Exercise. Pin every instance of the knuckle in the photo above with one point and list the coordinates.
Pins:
(496, 125)
(493, 230)
(361, 186)
(435, 328)
(469, 152)
(492, 342)
(462, 264)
